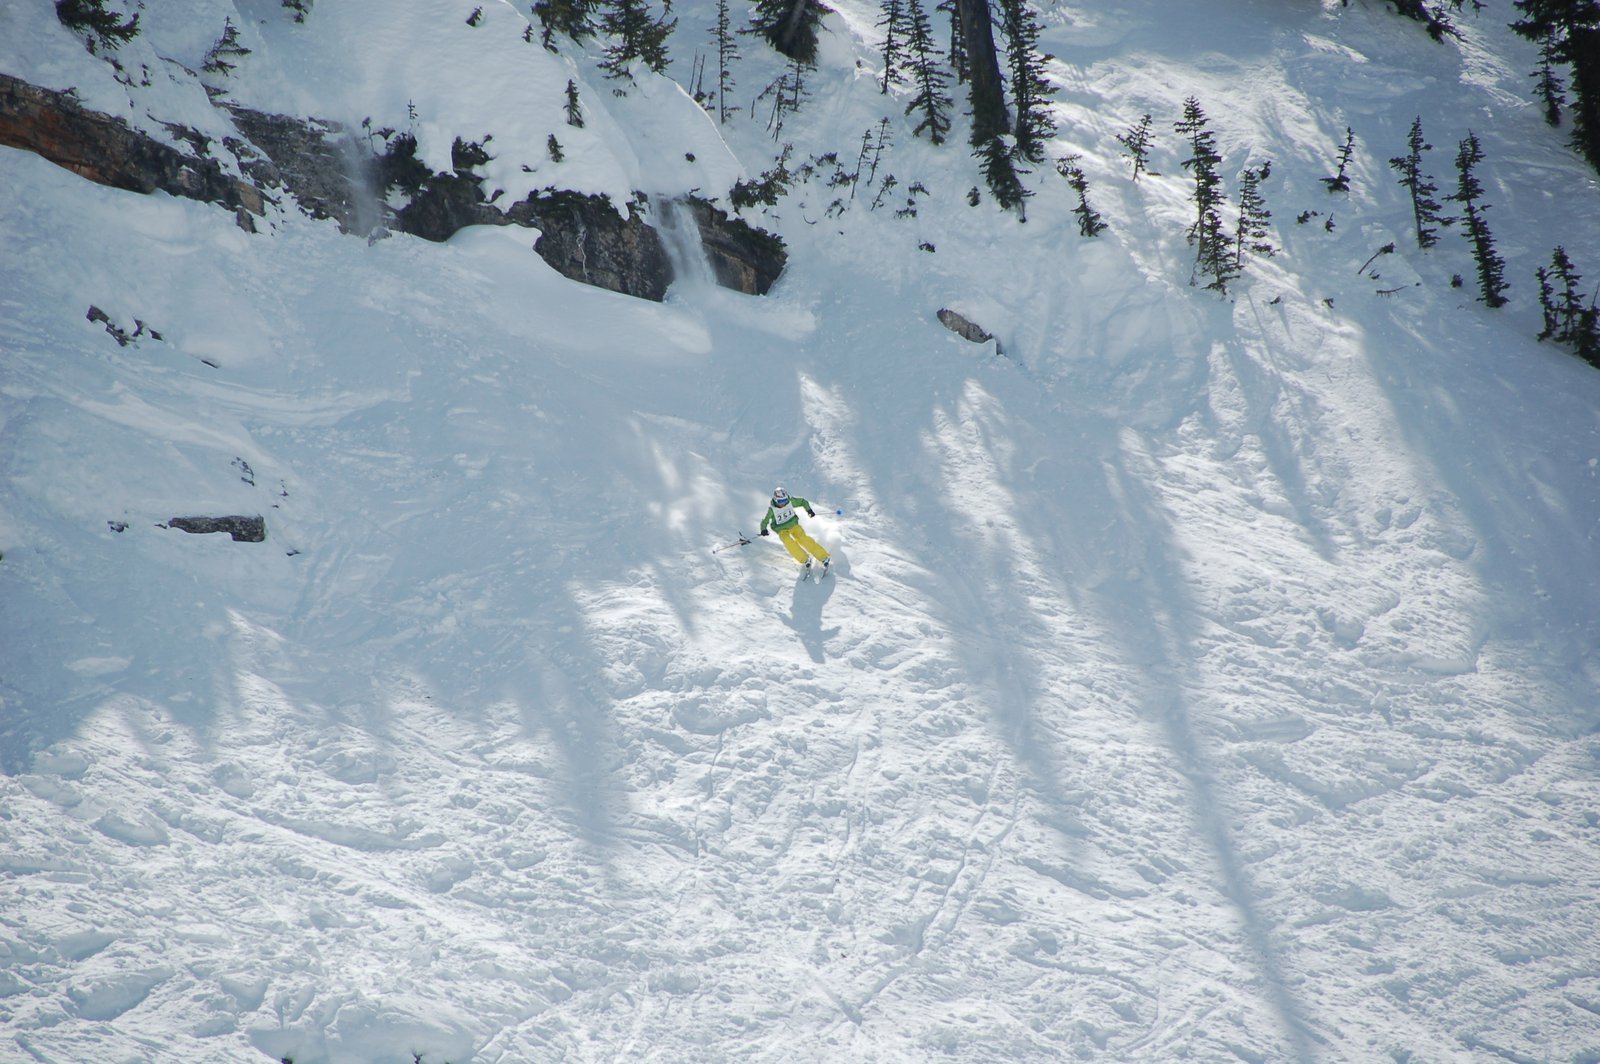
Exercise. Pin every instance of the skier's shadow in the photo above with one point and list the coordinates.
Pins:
(805, 611)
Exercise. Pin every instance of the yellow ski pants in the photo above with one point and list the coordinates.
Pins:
(795, 539)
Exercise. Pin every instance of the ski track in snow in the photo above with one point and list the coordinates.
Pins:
(1201, 680)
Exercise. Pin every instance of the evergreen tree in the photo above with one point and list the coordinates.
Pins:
(1206, 233)
(574, 18)
(958, 43)
(1548, 86)
(1570, 317)
(790, 26)
(1340, 181)
(222, 58)
(1424, 208)
(1469, 193)
(100, 27)
(1568, 31)
(1252, 236)
(986, 95)
(1435, 18)
(930, 102)
(636, 35)
(727, 51)
(1547, 301)
(786, 92)
(1090, 223)
(765, 190)
(892, 20)
(1030, 90)
(574, 111)
(1137, 141)
(301, 8)
(1000, 173)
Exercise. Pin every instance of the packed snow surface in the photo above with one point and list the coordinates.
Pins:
(1201, 678)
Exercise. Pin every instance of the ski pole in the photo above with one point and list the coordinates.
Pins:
(727, 546)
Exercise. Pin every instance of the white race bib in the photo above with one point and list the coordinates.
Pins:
(782, 514)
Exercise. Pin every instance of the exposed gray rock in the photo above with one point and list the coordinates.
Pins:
(305, 157)
(967, 329)
(586, 239)
(242, 529)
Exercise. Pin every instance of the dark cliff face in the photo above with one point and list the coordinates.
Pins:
(105, 150)
(328, 173)
(743, 257)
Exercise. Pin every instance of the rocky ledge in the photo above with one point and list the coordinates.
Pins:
(330, 173)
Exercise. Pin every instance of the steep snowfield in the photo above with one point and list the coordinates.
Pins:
(1202, 679)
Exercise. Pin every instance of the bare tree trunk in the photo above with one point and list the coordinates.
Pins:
(987, 93)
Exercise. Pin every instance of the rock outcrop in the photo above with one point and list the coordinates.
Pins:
(584, 238)
(241, 528)
(330, 173)
(967, 329)
(743, 257)
(106, 150)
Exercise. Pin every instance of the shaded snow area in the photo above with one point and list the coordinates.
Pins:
(1205, 679)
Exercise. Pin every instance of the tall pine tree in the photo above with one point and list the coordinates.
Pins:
(1206, 232)
(958, 42)
(1251, 236)
(1137, 141)
(892, 20)
(931, 103)
(1568, 31)
(1424, 208)
(986, 94)
(727, 51)
(1469, 193)
(1547, 84)
(1030, 90)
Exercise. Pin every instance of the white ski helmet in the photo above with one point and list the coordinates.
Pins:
(780, 496)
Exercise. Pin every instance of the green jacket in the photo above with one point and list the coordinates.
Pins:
(787, 517)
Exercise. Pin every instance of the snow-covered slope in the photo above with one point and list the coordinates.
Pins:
(1203, 679)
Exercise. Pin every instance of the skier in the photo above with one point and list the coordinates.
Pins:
(781, 516)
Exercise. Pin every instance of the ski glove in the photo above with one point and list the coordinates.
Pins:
(764, 532)
(810, 512)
